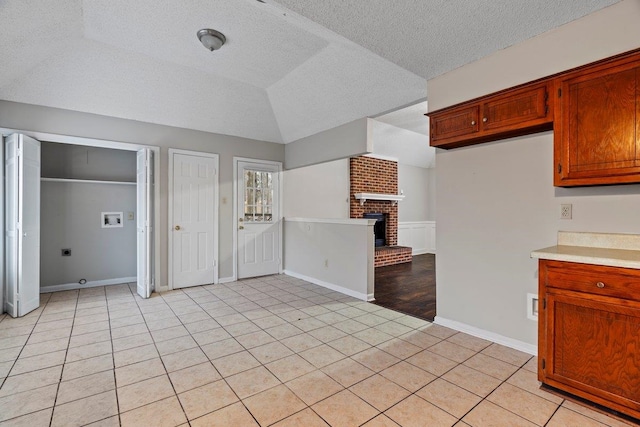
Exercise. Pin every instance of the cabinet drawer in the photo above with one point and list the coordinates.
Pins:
(454, 124)
(593, 279)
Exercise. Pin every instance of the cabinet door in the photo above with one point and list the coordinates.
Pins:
(597, 135)
(517, 109)
(592, 348)
(453, 125)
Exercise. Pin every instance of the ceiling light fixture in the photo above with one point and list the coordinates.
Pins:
(211, 39)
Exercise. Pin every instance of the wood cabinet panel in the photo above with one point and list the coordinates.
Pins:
(506, 114)
(597, 126)
(588, 341)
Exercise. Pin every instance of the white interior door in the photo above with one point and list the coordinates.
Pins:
(193, 219)
(144, 185)
(22, 224)
(258, 207)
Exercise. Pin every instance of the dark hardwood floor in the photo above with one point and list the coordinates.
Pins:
(409, 288)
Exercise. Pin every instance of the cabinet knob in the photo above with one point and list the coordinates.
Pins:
(473, 122)
(484, 120)
(600, 285)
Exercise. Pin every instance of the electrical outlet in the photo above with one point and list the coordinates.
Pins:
(565, 211)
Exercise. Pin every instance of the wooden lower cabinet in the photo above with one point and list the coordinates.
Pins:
(589, 333)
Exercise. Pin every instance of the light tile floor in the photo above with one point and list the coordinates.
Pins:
(268, 351)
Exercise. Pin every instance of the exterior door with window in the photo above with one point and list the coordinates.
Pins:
(258, 218)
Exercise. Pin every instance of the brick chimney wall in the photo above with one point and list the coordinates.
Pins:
(370, 175)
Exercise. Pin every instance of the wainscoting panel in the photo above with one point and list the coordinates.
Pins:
(419, 235)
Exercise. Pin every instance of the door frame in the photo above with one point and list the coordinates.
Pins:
(103, 143)
(278, 165)
(216, 211)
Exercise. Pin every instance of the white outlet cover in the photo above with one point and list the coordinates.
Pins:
(532, 307)
(566, 211)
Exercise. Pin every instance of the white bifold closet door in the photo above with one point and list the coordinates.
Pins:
(22, 224)
(144, 186)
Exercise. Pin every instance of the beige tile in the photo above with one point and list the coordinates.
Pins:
(381, 421)
(507, 354)
(432, 362)
(15, 405)
(184, 359)
(420, 339)
(202, 325)
(486, 414)
(222, 348)
(88, 351)
(349, 345)
(347, 372)
(301, 342)
(273, 405)
(370, 319)
(36, 338)
(132, 341)
(350, 326)
(598, 416)
(140, 371)
(270, 352)
(194, 376)
(410, 321)
(290, 367)
(175, 345)
(322, 355)
(438, 331)
(34, 363)
(169, 333)
(15, 332)
(44, 347)
(469, 341)
(50, 326)
(306, 418)
(373, 336)
(327, 333)
(243, 328)
(163, 413)
(393, 328)
(345, 409)
(206, 399)
(567, 418)
(379, 392)
(523, 403)
(144, 392)
(90, 338)
(34, 419)
(528, 381)
(31, 380)
(375, 359)
(232, 415)
(452, 351)
(90, 327)
(82, 387)
(532, 365)
(251, 382)
(107, 422)
(235, 363)
(314, 386)
(211, 336)
(9, 355)
(408, 376)
(126, 321)
(85, 411)
(414, 411)
(87, 367)
(127, 331)
(490, 366)
(472, 380)
(449, 397)
(135, 355)
(255, 339)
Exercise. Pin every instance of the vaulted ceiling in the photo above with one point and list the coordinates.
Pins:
(289, 69)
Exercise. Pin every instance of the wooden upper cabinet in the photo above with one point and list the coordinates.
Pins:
(509, 113)
(597, 125)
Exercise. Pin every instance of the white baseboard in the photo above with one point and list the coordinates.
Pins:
(487, 335)
(226, 279)
(93, 284)
(333, 287)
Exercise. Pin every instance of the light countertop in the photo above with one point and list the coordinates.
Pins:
(615, 250)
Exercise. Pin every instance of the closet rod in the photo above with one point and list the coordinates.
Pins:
(86, 181)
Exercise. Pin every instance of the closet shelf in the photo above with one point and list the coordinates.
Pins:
(86, 181)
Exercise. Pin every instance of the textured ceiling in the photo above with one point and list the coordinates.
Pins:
(289, 69)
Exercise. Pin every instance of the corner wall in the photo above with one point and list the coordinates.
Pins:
(496, 201)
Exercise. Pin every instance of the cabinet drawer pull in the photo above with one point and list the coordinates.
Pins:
(484, 120)
(600, 285)
(473, 122)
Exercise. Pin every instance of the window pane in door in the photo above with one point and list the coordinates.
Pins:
(258, 196)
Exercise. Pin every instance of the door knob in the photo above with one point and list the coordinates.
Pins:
(177, 228)
(241, 227)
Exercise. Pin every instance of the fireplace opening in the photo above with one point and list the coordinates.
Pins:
(379, 228)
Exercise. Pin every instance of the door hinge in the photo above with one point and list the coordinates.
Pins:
(18, 152)
(544, 364)
(559, 167)
(560, 93)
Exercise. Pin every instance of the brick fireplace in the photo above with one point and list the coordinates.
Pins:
(372, 175)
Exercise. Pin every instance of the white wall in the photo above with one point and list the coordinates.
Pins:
(496, 201)
(414, 182)
(337, 254)
(317, 191)
(70, 218)
(65, 122)
(81, 162)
